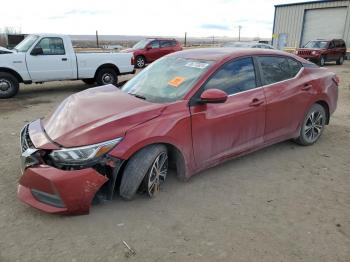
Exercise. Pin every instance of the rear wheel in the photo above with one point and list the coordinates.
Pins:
(313, 125)
(340, 60)
(146, 170)
(9, 85)
(106, 76)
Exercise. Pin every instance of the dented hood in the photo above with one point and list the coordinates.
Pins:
(96, 115)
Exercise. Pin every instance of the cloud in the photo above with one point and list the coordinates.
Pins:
(84, 12)
(215, 27)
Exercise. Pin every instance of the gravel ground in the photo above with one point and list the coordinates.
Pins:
(282, 203)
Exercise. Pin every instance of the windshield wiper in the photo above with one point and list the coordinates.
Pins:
(138, 96)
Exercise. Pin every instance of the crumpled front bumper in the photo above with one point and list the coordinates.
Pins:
(59, 191)
(48, 188)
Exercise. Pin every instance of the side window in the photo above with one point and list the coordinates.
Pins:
(331, 45)
(342, 44)
(155, 44)
(274, 69)
(52, 46)
(165, 43)
(234, 77)
(294, 66)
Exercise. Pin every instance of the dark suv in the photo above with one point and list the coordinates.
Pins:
(150, 49)
(321, 51)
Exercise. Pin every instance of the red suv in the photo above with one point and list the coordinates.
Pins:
(322, 51)
(150, 49)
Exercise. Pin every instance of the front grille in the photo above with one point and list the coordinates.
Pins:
(26, 142)
(304, 52)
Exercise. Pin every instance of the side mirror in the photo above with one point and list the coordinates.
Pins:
(37, 51)
(213, 96)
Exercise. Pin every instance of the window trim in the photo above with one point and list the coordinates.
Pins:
(282, 56)
(64, 48)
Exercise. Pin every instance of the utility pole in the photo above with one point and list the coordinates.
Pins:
(97, 39)
(185, 39)
(239, 33)
(213, 40)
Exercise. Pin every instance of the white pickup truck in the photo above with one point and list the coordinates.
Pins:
(51, 57)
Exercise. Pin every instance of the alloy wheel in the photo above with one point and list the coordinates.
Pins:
(140, 62)
(157, 174)
(5, 85)
(313, 126)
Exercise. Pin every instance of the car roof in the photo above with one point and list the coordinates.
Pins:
(216, 54)
(158, 38)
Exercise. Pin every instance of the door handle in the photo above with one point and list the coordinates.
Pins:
(256, 102)
(64, 59)
(306, 87)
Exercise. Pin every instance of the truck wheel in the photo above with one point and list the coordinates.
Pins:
(107, 76)
(147, 168)
(312, 126)
(340, 60)
(140, 61)
(89, 81)
(322, 61)
(9, 85)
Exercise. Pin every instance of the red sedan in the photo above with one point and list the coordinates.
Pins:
(189, 111)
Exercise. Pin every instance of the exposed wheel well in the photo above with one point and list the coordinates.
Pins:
(112, 66)
(12, 72)
(326, 108)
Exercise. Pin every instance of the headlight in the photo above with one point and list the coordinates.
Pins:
(84, 154)
(314, 52)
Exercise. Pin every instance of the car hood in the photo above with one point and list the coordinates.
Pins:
(4, 50)
(310, 49)
(96, 115)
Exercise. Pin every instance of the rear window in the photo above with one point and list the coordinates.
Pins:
(275, 69)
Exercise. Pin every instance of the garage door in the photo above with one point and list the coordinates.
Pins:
(325, 23)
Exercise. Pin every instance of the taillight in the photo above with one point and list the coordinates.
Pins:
(336, 79)
(132, 60)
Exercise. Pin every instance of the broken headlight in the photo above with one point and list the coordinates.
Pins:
(83, 155)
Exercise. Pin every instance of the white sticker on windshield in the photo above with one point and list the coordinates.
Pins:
(197, 65)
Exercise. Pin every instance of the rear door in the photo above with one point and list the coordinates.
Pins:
(221, 130)
(286, 89)
(166, 47)
(52, 64)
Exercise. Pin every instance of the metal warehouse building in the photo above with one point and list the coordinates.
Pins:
(296, 24)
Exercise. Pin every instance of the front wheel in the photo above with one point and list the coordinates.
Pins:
(313, 125)
(140, 62)
(146, 170)
(9, 85)
(107, 76)
(322, 61)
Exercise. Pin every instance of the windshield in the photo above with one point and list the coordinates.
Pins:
(142, 44)
(26, 43)
(166, 80)
(316, 44)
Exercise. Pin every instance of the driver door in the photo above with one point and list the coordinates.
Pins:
(154, 52)
(52, 64)
(230, 128)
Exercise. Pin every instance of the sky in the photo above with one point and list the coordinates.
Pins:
(142, 17)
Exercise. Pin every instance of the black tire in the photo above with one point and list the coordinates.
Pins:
(340, 60)
(322, 61)
(106, 76)
(9, 85)
(89, 81)
(137, 168)
(311, 130)
(140, 61)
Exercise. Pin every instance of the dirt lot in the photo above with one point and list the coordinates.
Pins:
(283, 203)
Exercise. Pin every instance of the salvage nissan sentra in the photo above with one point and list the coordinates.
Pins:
(189, 111)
